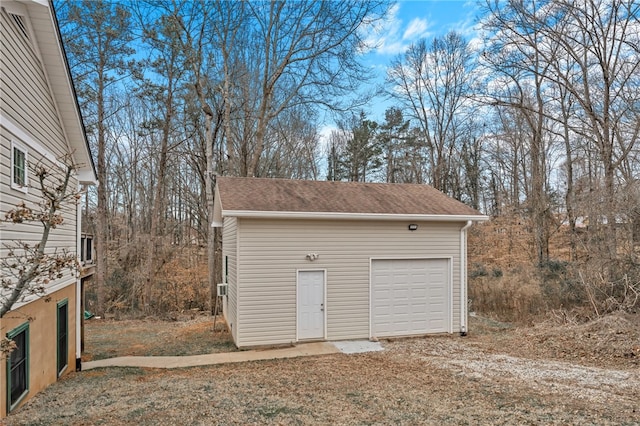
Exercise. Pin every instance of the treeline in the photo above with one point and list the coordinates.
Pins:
(537, 117)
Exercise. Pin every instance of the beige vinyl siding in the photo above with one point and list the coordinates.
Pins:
(230, 251)
(272, 250)
(27, 103)
(26, 96)
(62, 236)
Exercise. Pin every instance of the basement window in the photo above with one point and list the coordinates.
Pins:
(63, 336)
(18, 366)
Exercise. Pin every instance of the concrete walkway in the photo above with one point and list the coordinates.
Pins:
(305, 349)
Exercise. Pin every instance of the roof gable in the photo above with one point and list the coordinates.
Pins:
(259, 196)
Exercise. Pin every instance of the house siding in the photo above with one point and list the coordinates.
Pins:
(63, 237)
(26, 97)
(272, 250)
(230, 252)
(28, 104)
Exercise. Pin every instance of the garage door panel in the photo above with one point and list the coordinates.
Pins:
(419, 293)
(410, 296)
(383, 292)
(436, 308)
(399, 296)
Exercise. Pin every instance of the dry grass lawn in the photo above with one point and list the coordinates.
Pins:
(187, 335)
(500, 375)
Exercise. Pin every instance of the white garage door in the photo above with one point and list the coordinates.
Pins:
(409, 296)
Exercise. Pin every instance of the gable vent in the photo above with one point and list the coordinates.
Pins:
(20, 22)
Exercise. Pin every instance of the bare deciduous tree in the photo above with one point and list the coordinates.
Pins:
(585, 53)
(308, 56)
(97, 36)
(515, 54)
(433, 81)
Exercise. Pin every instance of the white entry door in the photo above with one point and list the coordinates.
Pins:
(310, 305)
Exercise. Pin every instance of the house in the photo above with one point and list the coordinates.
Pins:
(40, 123)
(318, 260)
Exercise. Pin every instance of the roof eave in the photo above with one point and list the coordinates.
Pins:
(87, 177)
(59, 74)
(354, 216)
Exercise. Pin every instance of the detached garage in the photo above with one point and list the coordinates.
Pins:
(318, 260)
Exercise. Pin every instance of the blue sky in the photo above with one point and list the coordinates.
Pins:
(410, 21)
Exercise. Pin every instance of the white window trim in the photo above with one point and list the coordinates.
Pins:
(28, 140)
(22, 188)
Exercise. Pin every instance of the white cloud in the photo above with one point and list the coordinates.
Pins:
(393, 35)
(390, 47)
(324, 134)
(417, 28)
(382, 34)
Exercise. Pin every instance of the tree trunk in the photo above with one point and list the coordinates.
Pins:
(209, 189)
(156, 252)
(101, 213)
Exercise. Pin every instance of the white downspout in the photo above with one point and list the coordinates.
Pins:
(463, 278)
(78, 306)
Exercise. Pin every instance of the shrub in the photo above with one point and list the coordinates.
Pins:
(511, 296)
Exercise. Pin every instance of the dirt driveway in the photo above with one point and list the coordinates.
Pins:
(497, 376)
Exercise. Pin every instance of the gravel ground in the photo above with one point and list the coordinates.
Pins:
(498, 376)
